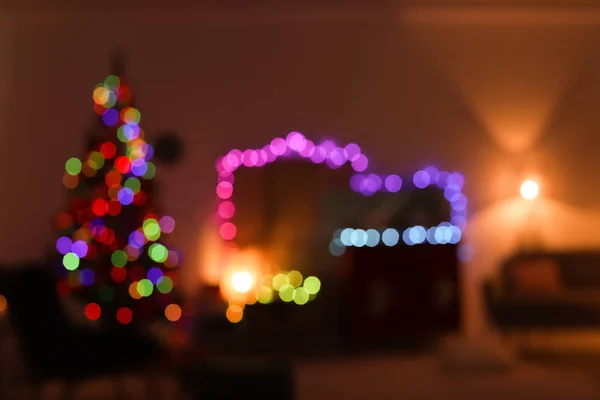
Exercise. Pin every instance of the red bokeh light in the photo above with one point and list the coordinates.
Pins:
(108, 150)
(100, 207)
(93, 311)
(124, 315)
(114, 208)
(118, 274)
(124, 94)
(149, 215)
(139, 199)
(92, 252)
(99, 109)
(123, 165)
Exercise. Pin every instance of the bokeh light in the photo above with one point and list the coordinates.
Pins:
(312, 284)
(286, 293)
(93, 311)
(234, 313)
(124, 315)
(265, 295)
(173, 312)
(301, 296)
(294, 278)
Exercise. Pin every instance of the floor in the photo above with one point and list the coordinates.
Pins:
(373, 377)
(424, 378)
(394, 377)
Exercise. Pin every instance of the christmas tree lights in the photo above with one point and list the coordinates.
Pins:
(112, 237)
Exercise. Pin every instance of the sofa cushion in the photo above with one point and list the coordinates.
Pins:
(535, 277)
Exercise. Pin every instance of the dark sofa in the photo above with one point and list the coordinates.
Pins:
(545, 290)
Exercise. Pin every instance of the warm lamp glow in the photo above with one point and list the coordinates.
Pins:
(241, 273)
(530, 190)
(242, 281)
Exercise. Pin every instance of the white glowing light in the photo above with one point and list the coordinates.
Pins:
(242, 281)
(530, 190)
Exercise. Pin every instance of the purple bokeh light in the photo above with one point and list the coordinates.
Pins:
(421, 179)
(154, 274)
(64, 245)
(137, 239)
(80, 248)
(167, 224)
(393, 183)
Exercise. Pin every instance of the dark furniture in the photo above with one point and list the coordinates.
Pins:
(238, 379)
(395, 295)
(545, 290)
(54, 349)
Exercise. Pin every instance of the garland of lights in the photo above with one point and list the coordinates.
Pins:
(295, 144)
(120, 188)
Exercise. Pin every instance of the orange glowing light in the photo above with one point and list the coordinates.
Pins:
(234, 314)
(243, 272)
(242, 281)
(3, 304)
(133, 292)
(113, 178)
(173, 312)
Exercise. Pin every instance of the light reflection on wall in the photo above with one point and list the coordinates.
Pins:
(513, 86)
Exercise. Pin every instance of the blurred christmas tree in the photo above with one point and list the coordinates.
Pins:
(113, 254)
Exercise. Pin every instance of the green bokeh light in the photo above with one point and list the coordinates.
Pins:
(150, 172)
(134, 184)
(158, 252)
(121, 134)
(73, 166)
(96, 160)
(279, 280)
(286, 293)
(301, 296)
(145, 287)
(71, 261)
(151, 229)
(119, 258)
(294, 278)
(312, 284)
(164, 284)
(112, 82)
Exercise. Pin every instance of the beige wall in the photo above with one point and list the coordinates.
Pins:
(498, 95)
